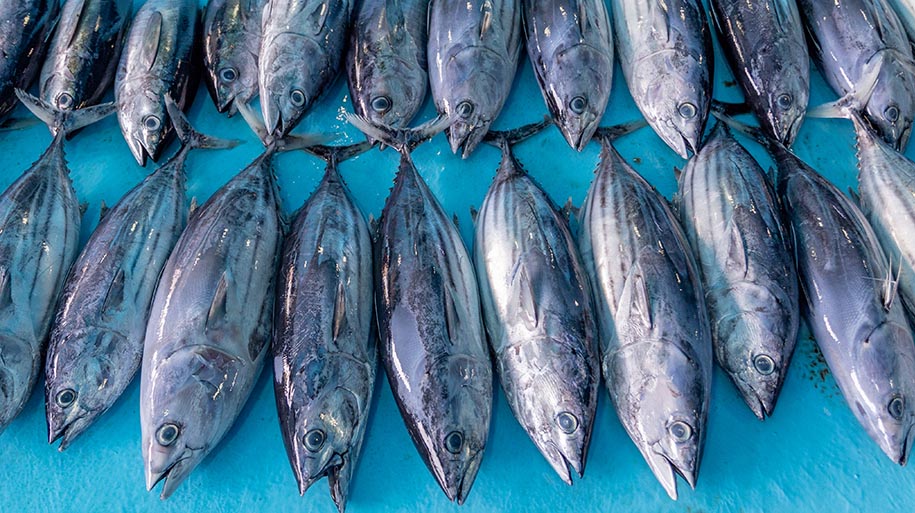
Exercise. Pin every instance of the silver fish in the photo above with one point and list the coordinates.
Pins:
(386, 63)
(765, 46)
(859, 327)
(905, 9)
(731, 217)
(324, 353)
(156, 62)
(84, 53)
(231, 43)
(26, 27)
(473, 52)
(849, 36)
(573, 61)
(209, 325)
(96, 341)
(301, 52)
(665, 50)
(656, 349)
(537, 309)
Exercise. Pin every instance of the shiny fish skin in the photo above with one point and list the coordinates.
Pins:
(301, 53)
(731, 218)
(665, 50)
(84, 53)
(25, 31)
(156, 62)
(324, 351)
(905, 9)
(39, 235)
(656, 351)
(537, 309)
(848, 36)
(763, 41)
(209, 325)
(386, 63)
(431, 332)
(573, 61)
(231, 43)
(861, 331)
(474, 48)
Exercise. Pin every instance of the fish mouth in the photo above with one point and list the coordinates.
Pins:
(173, 475)
(464, 137)
(903, 456)
(563, 465)
(578, 134)
(666, 472)
(67, 432)
(138, 149)
(458, 491)
(761, 404)
(903, 140)
(790, 134)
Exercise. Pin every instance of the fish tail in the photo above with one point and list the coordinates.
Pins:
(610, 133)
(852, 104)
(402, 139)
(516, 135)
(753, 132)
(190, 138)
(336, 154)
(64, 121)
(288, 142)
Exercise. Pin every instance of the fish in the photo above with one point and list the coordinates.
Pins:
(764, 44)
(300, 56)
(27, 29)
(665, 51)
(573, 62)
(231, 44)
(537, 310)
(849, 37)
(905, 10)
(474, 48)
(324, 349)
(96, 339)
(84, 52)
(731, 217)
(39, 237)
(158, 60)
(430, 327)
(655, 345)
(386, 62)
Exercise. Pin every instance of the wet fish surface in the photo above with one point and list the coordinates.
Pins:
(324, 350)
(665, 51)
(474, 48)
(573, 62)
(157, 61)
(763, 41)
(386, 62)
(847, 38)
(537, 309)
(231, 44)
(730, 215)
(84, 53)
(26, 27)
(656, 351)
(209, 325)
(905, 9)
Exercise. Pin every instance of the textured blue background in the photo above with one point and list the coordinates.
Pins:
(811, 456)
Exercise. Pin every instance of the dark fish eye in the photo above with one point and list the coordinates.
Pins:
(66, 397)
(891, 113)
(465, 109)
(152, 123)
(568, 423)
(297, 97)
(680, 431)
(381, 104)
(64, 101)
(167, 434)
(687, 110)
(314, 440)
(784, 100)
(764, 364)
(454, 441)
(228, 74)
(578, 104)
(896, 407)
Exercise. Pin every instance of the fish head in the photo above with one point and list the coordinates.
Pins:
(144, 121)
(577, 94)
(780, 103)
(289, 85)
(891, 106)
(231, 76)
(677, 109)
(388, 95)
(61, 92)
(14, 376)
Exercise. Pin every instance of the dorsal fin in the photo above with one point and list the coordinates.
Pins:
(6, 293)
(457, 224)
(193, 206)
(150, 47)
(71, 38)
(217, 313)
(486, 24)
(339, 310)
(115, 295)
(474, 213)
(83, 207)
(103, 209)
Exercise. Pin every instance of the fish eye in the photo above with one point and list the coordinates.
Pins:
(167, 434)
(314, 440)
(764, 364)
(687, 110)
(784, 100)
(454, 441)
(680, 431)
(66, 397)
(297, 97)
(896, 407)
(568, 423)
(64, 101)
(578, 104)
(381, 104)
(228, 74)
(152, 122)
(891, 113)
(465, 109)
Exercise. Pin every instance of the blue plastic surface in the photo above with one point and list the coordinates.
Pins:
(810, 456)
